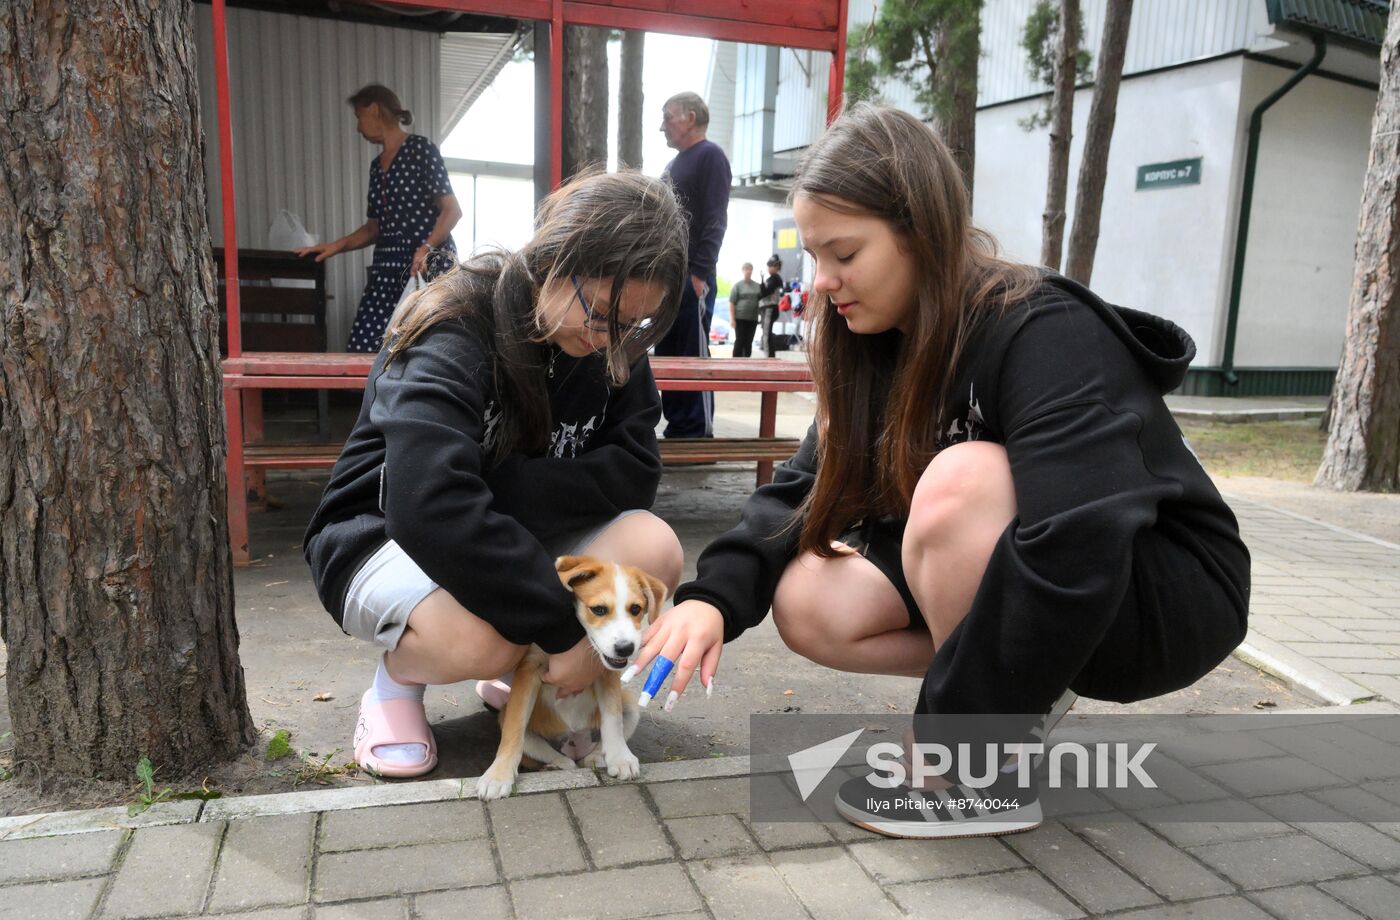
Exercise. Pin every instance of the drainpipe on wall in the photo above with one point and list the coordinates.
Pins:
(1256, 120)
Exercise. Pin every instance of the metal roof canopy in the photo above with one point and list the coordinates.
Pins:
(816, 24)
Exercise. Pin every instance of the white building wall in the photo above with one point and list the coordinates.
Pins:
(1159, 250)
(1307, 202)
(1163, 33)
(295, 144)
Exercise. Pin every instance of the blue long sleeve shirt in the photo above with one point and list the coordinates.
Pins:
(700, 175)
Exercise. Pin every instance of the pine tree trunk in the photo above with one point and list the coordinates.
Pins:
(585, 141)
(1363, 442)
(1093, 163)
(955, 80)
(1061, 132)
(116, 588)
(630, 103)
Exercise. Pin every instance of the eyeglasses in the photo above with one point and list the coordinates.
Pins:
(599, 323)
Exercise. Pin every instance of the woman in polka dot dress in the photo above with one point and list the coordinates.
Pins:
(411, 213)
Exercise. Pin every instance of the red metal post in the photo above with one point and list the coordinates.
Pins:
(556, 94)
(234, 314)
(836, 89)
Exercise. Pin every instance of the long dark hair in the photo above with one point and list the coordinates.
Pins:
(622, 225)
(881, 398)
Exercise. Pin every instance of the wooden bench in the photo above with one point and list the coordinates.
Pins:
(248, 458)
(283, 308)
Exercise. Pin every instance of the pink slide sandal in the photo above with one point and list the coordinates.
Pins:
(393, 722)
(494, 693)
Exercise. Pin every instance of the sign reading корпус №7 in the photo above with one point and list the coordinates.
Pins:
(1167, 175)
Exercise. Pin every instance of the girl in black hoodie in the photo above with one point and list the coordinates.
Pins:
(994, 496)
(509, 419)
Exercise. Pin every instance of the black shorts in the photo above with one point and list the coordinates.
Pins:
(1176, 622)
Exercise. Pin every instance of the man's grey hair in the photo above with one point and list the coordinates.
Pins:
(691, 102)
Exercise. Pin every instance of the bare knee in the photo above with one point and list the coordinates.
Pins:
(966, 488)
(443, 644)
(800, 612)
(646, 541)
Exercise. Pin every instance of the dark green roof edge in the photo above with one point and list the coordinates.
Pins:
(1360, 22)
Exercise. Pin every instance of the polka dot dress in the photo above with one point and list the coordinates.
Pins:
(404, 201)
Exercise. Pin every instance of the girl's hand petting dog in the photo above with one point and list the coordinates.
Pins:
(574, 671)
(692, 635)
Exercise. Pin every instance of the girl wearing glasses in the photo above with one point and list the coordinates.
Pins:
(510, 419)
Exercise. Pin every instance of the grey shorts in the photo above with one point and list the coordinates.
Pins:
(388, 585)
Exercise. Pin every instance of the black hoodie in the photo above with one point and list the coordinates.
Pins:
(416, 469)
(1073, 388)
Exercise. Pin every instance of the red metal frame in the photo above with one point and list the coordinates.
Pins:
(815, 24)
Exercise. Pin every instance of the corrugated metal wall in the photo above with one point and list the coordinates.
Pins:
(753, 109)
(720, 94)
(803, 77)
(294, 137)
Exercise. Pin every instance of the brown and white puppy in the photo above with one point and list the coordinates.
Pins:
(614, 603)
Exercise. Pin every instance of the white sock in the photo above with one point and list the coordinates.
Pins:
(386, 688)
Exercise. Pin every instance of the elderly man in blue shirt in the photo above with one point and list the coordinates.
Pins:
(700, 175)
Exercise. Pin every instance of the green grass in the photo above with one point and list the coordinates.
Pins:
(1277, 450)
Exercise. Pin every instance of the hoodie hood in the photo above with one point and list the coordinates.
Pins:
(1162, 347)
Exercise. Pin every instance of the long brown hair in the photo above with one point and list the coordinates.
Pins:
(881, 398)
(622, 225)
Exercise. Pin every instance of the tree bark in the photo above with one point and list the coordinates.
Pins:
(116, 588)
(1093, 163)
(955, 80)
(1363, 441)
(1061, 132)
(630, 103)
(585, 141)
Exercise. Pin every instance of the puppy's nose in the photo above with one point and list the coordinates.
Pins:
(625, 649)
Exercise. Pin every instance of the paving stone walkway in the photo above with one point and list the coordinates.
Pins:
(681, 843)
(1325, 601)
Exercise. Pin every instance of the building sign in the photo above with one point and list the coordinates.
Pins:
(1167, 175)
(787, 238)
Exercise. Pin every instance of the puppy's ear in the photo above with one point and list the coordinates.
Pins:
(657, 588)
(575, 570)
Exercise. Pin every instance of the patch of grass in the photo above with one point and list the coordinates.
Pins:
(322, 772)
(146, 773)
(7, 759)
(1277, 450)
(279, 745)
(147, 796)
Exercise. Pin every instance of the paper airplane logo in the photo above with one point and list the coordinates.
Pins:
(811, 765)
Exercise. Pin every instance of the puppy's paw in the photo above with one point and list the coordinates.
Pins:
(594, 760)
(495, 784)
(626, 766)
(559, 763)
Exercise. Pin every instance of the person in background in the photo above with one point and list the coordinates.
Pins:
(743, 309)
(700, 175)
(410, 218)
(769, 293)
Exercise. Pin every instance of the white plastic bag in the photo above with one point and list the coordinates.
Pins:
(288, 233)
